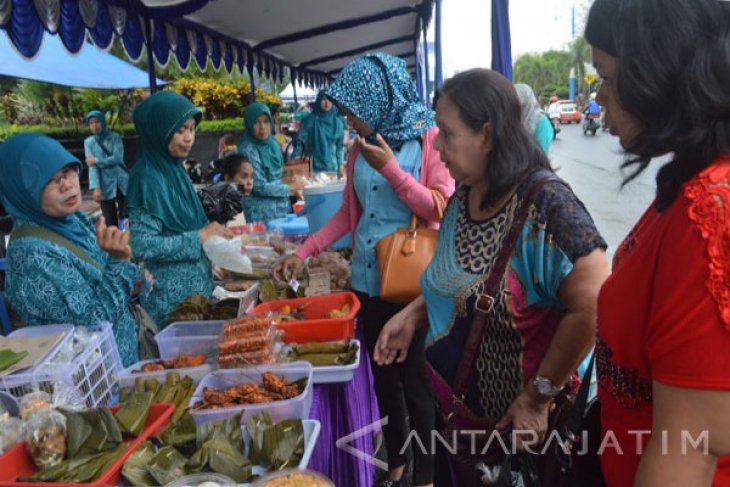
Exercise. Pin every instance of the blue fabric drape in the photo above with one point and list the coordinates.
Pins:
(228, 58)
(182, 53)
(25, 28)
(133, 39)
(501, 43)
(160, 44)
(103, 33)
(439, 69)
(215, 55)
(72, 28)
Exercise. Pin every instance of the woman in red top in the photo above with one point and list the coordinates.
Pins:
(663, 353)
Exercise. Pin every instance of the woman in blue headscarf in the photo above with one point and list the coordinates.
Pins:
(108, 175)
(270, 197)
(59, 270)
(322, 135)
(166, 219)
(389, 179)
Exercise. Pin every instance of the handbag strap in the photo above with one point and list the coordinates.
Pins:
(575, 421)
(44, 233)
(485, 301)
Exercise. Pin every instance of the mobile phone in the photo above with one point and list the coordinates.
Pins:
(372, 138)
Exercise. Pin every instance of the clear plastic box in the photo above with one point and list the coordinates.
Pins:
(127, 378)
(93, 372)
(297, 407)
(191, 337)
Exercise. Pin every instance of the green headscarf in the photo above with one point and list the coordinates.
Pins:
(101, 136)
(159, 183)
(27, 164)
(325, 128)
(269, 150)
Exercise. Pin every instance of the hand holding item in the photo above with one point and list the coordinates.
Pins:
(288, 268)
(214, 229)
(113, 241)
(377, 155)
(97, 195)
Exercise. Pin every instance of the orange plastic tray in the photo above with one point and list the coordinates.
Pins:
(18, 463)
(316, 327)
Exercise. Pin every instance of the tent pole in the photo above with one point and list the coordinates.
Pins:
(427, 75)
(150, 56)
(253, 84)
(439, 71)
(294, 85)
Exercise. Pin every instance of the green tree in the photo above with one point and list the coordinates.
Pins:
(547, 73)
(581, 55)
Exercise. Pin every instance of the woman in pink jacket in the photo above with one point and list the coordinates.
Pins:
(391, 172)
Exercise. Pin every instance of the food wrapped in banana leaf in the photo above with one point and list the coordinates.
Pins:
(181, 434)
(325, 354)
(83, 469)
(132, 414)
(339, 346)
(200, 308)
(275, 445)
(167, 465)
(221, 450)
(135, 468)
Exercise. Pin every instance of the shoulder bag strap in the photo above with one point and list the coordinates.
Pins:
(53, 237)
(485, 301)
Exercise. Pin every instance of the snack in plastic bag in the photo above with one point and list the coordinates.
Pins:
(33, 402)
(227, 254)
(45, 437)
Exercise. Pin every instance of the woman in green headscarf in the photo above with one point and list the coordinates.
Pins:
(59, 270)
(166, 218)
(270, 197)
(108, 176)
(322, 134)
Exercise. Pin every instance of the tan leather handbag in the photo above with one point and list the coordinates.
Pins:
(404, 255)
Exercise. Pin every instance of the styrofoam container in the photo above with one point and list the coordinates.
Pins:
(311, 428)
(337, 373)
(127, 377)
(297, 407)
(93, 372)
(192, 337)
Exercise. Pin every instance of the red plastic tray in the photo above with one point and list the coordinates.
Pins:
(316, 327)
(18, 463)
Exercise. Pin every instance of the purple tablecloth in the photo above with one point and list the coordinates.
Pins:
(343, 409)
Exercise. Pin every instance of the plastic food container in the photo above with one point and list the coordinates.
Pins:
(191, 337)
(293, 228)
(337, 373)
(263, 481)
(93, 372)
(316, 327)
(18, 463)
(296, 407)
(311, 428)
(127, 377)
(196, 479)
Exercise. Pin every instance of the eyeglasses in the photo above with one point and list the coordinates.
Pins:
(68, 173)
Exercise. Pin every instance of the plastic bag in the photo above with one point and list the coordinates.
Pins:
(45, 437)
(34, 402)
(11, 432)
(227, 254)
(221, 202)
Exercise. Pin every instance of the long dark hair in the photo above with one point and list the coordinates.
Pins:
(673, 77)
(484, 96)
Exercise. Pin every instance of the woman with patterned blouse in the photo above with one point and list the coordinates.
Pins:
(166, 219)
(388, 180)
(542, 320)
(59, 270)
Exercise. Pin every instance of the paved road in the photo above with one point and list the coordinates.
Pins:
(591, 164)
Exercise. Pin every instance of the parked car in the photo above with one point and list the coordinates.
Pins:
(569, 112)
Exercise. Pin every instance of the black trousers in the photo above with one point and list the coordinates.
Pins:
(113, 209)
(403, 391)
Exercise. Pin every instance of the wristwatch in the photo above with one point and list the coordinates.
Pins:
(545, 386)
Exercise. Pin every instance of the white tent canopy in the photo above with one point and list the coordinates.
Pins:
(303, 93)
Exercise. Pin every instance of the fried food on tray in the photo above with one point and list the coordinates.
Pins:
(180, 362)
(274, 388)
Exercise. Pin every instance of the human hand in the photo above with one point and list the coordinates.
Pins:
(90, 161)
(113, 241)
(288, 268)
(375, 155)
(97, 195)
(528, 417)
(214, 229)
(394, 340)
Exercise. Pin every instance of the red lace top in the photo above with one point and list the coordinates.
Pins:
(664, 315)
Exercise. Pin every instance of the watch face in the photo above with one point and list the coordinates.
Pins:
(544, 386)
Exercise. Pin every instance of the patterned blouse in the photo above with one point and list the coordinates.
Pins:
(269, 197)
(109, 172)
(47, 284)
(528, 310)
(176, 260)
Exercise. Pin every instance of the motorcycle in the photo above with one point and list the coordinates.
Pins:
(590, 124)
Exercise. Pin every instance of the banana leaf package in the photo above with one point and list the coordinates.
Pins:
(275, 445)
(91, 432)
(200, 308)
(132, 414)
(82, 469)
(9, 357)
(135, 468)
(181, 434)
(221, 450)
(167, 465)
(325, 354)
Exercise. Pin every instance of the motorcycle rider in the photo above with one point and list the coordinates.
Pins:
(554, 115)
(592, 113)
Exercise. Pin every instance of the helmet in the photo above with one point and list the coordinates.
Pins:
(593, 95)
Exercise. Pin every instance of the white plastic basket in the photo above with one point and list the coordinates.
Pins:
(93, 372)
